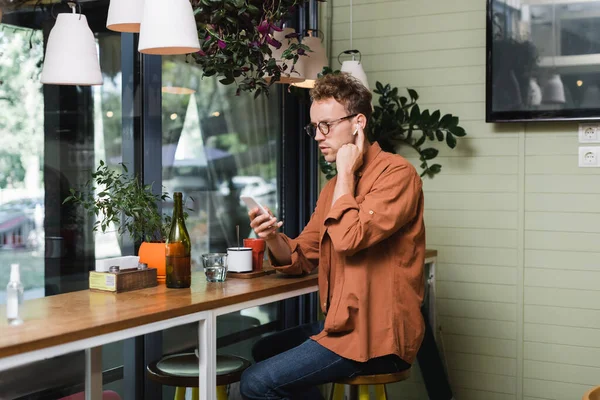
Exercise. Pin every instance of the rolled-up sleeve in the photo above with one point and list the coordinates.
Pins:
(304, 257)
(390, 204)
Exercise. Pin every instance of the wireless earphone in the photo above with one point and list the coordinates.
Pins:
(356, 130)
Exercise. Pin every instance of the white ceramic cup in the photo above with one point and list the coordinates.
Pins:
(239, 259)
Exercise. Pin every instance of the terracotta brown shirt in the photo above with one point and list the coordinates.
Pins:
(370, 250)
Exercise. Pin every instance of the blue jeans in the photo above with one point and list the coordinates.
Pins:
(290, 366)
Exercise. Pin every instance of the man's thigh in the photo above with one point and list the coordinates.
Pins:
(293, 372)
(285, 340)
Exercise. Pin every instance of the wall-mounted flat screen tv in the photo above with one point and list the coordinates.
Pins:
(543, 60)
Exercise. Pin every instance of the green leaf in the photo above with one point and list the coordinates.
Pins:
(227, 80)
(415, 113)
(450, 140)
(435, 168)
(429, 134)
(429, 153)
(445, 120)
(378, 87)
(435, 117)
(440, 135)
(413, 94)
(403, 101)
(421, 140)
(458, 131)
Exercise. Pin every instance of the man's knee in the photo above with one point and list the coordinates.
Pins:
(253, 384)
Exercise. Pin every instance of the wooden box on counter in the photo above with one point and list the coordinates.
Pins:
(123, 281)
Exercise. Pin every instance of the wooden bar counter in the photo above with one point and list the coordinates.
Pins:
(86, 320)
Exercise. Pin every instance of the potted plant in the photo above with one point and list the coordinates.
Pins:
(235, 39)
(398, 121)
(120, 200)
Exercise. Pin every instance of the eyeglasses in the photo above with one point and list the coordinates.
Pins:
(324, 127)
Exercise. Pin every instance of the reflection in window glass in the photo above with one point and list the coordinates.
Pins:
(216, 147)
(54, 137)
(58, 135)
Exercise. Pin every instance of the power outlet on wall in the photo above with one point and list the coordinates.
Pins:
(588, 157)
(589, 133)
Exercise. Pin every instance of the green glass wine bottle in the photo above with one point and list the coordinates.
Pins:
(179, 268)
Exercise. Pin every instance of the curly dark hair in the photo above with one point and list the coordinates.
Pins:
(346, 90)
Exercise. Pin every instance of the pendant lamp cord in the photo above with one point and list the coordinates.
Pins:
(351, 24)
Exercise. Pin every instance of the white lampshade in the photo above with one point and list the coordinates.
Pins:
(71, 55)
(277, 54)
(125, 15)
(177, 90)
(355, 69)
(553, 91)
(168, 27)
(310, 65)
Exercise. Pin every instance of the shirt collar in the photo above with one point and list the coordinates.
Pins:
(370, 155)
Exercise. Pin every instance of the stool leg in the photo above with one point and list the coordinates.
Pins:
(195, 393)
(380, 392)
(222, 392)
(179, 393)
(363, 392)
(353, 392)
(337, 392)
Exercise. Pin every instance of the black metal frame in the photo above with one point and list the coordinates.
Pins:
(592, 114)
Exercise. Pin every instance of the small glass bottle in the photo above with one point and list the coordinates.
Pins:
(14, 296)
(178, 251)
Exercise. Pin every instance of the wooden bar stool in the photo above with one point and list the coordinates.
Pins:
(181, 370)
(592, 394)
(359, 385)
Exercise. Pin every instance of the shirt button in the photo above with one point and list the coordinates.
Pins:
(371, 212)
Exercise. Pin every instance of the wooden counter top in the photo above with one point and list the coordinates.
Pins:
(64, 318)
(68, 317)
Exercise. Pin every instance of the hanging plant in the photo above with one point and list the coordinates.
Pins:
(234, 41)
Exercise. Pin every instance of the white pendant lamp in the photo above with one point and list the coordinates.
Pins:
(535, 93)
(168, 28)
(71, 54)
(179, 90)
(288, 76)
(310, 65)
(354, 67)
(553, 91)
(125, 15)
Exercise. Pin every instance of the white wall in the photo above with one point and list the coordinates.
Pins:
(515, 221)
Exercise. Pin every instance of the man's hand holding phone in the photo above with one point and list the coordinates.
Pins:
(262, 220)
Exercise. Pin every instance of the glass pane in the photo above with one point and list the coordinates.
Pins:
(58, 136)
(545, 56)
(54, 137)
(216, 147)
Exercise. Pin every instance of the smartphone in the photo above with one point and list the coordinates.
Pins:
(252, 203)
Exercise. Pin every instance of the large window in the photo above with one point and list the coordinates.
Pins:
(217, 146)
(52, 139)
